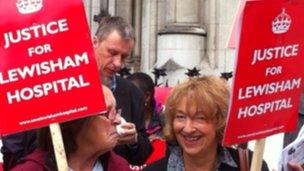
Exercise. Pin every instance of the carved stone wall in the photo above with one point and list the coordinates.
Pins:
(160, 24)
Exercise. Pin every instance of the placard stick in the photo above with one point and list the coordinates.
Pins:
(59, 151)
(256, 163)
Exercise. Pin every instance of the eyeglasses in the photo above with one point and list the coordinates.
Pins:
(112, 113)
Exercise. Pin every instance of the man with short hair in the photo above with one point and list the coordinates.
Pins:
(113, 43)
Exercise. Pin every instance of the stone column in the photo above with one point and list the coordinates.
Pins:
(148, 34)
(92, 8)
(124, 8)
(112, 7)
(218, 19)
(181, 42)
(137, 30)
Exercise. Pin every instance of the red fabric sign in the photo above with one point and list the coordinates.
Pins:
(48, 72)
(269, 73)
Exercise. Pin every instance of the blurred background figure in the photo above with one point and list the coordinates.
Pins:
(153, 115)
(195, 118)
(291, 136)
(153, 109)
(17, 146)
(88, 144)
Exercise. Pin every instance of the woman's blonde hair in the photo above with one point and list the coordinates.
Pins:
(208, 93)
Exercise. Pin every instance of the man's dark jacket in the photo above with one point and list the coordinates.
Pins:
(131, 100)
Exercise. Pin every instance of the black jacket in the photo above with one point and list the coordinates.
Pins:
(16, 147)
(131, 100)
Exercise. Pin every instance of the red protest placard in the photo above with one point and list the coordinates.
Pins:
(47, 69)
(269, 72)
(235, 32)
(236, 24)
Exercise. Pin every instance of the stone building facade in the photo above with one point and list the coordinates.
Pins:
(175, 35)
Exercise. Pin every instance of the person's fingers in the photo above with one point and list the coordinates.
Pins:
(130, 132)
(124, 140)
(128, 137)
(295, 167)
(128, 125)
(129, 129)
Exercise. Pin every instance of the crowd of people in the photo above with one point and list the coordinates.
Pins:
(185, 134)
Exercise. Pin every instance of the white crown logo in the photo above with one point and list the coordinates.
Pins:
(281, 23)
(29, 6)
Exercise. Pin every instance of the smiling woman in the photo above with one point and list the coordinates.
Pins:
(196, 113)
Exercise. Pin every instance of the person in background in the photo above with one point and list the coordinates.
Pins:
(113, 43)
(153, 110)
(153, 115)
(195, 115)
(291, 136)
(17, 146)
(293, 153)
(88, 144)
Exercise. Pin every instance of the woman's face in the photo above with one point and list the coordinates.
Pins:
(102, 132)
(194, 134)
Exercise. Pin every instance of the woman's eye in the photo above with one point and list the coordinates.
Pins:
(179, 116)
(200, 117)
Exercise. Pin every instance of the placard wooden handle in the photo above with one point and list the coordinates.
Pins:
(59, 151)
(257, 159)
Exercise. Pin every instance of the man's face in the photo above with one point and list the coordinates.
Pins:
(111, 53)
